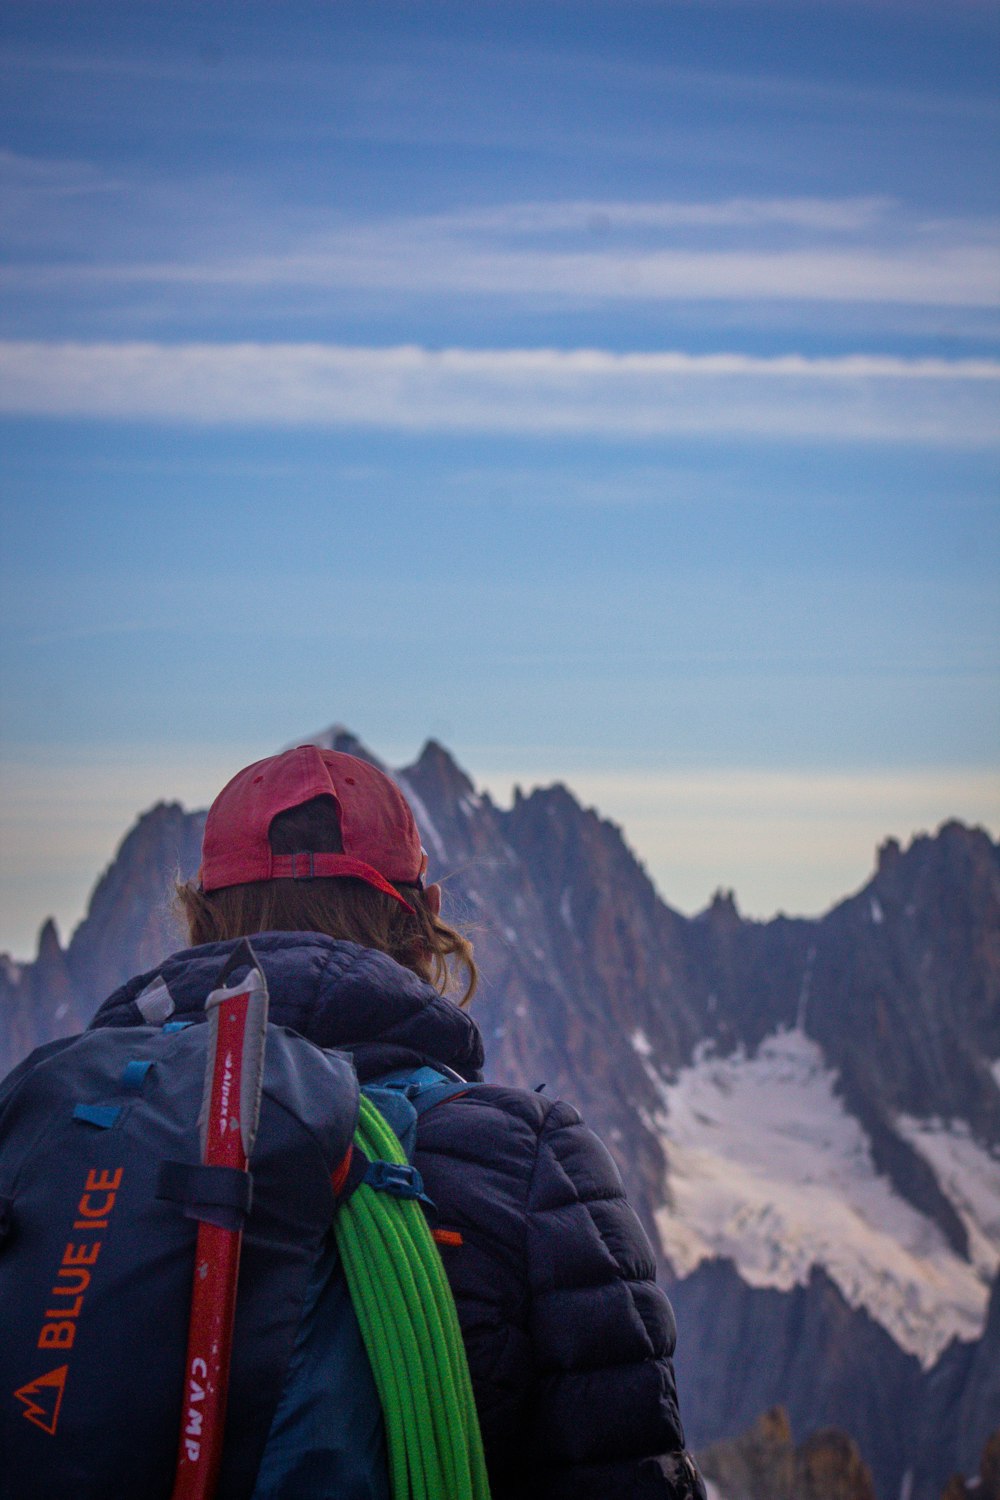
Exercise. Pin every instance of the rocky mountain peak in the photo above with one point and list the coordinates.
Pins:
(49, 947)
(922, 939)
(933, 867)
(888, 856)
(338, 737)
(438, 775)
(723, 912)
(131, 915)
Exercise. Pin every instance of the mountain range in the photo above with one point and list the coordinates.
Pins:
(806, 1112)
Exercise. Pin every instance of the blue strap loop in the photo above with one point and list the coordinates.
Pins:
(101, 1115)
(134, 1073)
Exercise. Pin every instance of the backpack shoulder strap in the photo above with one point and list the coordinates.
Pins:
(425, 1086)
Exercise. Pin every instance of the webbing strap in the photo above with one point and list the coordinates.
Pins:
(425, 1087)
(215, 1195)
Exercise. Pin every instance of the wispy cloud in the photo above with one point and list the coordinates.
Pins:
(408, 77)
(52, 175)
(528, 391)
(602, 215)
(849, 251)
(87, 632)
(958, 276)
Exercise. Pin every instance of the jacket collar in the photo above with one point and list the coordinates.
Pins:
(336, 994)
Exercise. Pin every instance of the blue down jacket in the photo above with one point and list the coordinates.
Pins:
(569, 1337)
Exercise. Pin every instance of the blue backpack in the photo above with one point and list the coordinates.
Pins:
(100, 1197)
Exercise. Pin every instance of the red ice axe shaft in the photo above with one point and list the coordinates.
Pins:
(230, 1110)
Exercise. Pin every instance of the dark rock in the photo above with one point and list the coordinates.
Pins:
(763, 1463)
(828, 1466)
(746, 1349)
(758, 1465)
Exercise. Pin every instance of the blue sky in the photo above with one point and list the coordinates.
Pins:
(610, 391)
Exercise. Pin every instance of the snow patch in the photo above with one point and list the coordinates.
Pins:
(969, 1175)
(423, 817)
(766, 1167)
(878, 915)
(566, 908)
(640, 1041)
(995, 1070)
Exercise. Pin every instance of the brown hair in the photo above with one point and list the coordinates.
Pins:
(343, 907)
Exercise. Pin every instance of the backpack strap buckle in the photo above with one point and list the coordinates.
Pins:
(397, 1179)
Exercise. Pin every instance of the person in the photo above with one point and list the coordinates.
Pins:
(315, 856)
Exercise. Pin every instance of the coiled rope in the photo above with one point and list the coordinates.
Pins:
(406, 1313)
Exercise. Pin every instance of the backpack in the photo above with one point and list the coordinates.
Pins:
(103, 1194)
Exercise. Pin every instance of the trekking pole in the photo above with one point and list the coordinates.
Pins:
(227, 1124)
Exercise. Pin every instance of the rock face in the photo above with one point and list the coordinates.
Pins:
(806, 1112)
(986, 1484)
(764, 1464)
(130, 923)
(758, 1465)
(804, 1349)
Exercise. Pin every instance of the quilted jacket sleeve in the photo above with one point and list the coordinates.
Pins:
(603, 1412)
(568, 1336)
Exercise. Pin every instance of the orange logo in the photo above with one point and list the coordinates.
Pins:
(43, 1398)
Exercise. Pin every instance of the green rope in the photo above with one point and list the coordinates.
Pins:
(405, 1248)
(406, 1312)
(437, 1297)
(392, 1391)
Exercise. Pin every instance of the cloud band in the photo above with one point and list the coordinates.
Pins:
(530, 392)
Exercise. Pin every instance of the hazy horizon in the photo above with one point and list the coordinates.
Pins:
(695, 833)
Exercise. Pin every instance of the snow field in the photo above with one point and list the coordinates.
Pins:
(767, 1168)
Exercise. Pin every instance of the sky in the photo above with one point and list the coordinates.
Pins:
(609, 391)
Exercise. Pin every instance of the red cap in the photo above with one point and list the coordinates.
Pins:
(380, 838)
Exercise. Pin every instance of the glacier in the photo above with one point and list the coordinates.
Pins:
(767, 1167)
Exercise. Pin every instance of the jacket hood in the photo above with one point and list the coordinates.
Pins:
(337, 994)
